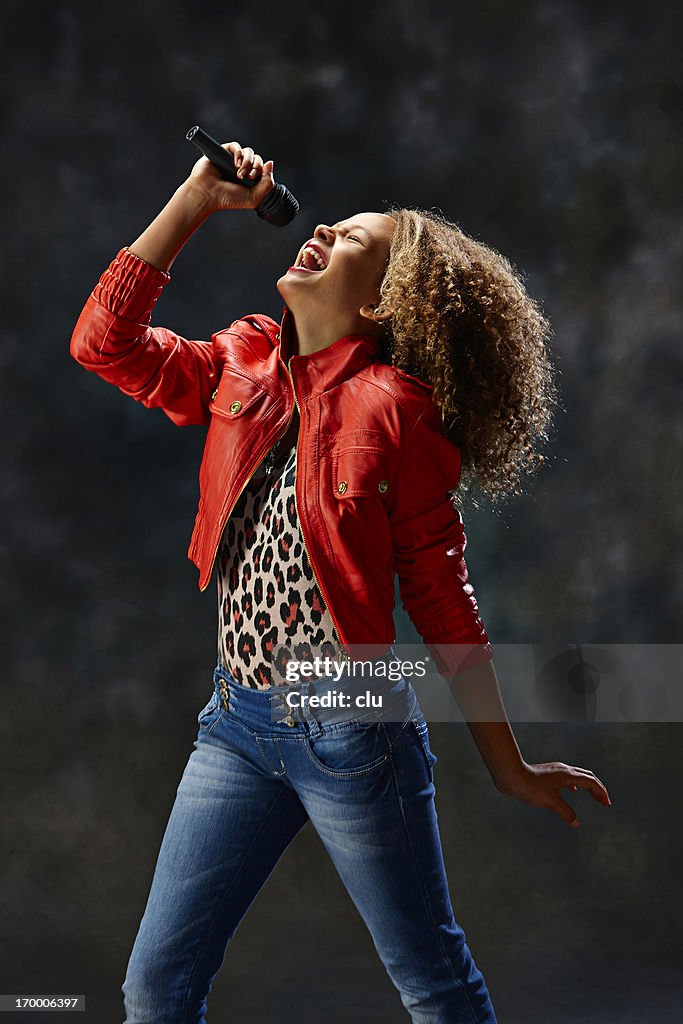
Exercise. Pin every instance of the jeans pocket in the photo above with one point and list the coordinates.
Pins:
(348, 751)
(420, 726)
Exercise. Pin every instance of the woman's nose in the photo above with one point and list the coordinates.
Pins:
(323, 231)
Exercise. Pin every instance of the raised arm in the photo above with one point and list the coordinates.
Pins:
(113, 336)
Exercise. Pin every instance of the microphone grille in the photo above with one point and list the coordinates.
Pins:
(279, 207)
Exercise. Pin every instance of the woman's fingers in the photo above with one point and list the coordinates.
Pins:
(235, 149)
(583, 779)
(232, 195)
(257, 166)
(540, 785)
(562, 808)
(265, 183)
(246, 162)
(244, 158)
(573, 779)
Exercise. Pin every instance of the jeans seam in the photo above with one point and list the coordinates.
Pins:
(425, 894)
(210, 728)
(233, 878)
(260, 741)
(421, 734)
(401, 730)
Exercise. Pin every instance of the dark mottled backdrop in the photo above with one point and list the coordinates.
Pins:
(551, 130)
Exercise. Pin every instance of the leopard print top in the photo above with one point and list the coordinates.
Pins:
(269, 603)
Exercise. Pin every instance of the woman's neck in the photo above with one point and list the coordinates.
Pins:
(310, 336)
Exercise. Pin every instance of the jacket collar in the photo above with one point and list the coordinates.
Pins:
(328, 367)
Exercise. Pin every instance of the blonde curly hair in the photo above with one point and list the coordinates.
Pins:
(461, 321)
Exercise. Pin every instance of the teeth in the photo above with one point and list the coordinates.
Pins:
(312, 252)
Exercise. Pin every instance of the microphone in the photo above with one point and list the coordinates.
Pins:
(278, 208)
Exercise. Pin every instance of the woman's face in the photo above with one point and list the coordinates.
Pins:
(342, 275)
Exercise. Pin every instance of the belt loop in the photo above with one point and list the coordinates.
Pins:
(311, 718)
(305, 710)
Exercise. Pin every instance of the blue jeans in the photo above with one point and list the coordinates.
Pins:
(254, 778)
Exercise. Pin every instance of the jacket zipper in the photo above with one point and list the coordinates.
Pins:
(301, 525)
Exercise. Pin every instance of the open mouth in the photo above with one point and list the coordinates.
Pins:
(310, 260)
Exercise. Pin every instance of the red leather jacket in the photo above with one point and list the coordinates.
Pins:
(374, 466)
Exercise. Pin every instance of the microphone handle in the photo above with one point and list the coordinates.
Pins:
(219, 157)
(279, 207)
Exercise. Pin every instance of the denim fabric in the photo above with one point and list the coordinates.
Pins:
(251, 782)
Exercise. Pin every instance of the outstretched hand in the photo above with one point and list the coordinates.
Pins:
(540, 785)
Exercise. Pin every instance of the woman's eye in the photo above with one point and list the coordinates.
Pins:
(354, 237)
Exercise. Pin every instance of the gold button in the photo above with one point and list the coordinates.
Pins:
(342, 486)
(289, 720)
(213, 396)
(235, 406)
(382, 486)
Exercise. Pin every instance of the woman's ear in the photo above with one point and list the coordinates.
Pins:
(370, 312)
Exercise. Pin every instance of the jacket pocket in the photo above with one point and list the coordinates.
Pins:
(235, 395)
(361, 472)
(361, 482)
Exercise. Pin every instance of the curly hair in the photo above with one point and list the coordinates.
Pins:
(462, 322)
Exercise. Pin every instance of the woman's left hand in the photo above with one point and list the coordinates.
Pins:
(540, 785)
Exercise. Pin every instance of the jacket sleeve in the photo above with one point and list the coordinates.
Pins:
(429, 544)
(113, 338)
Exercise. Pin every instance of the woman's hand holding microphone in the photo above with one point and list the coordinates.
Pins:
(221, 194)
(204, 191)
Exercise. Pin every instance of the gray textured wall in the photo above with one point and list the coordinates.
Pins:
(551, 130)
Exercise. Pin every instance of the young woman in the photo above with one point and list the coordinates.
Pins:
(409, 359)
